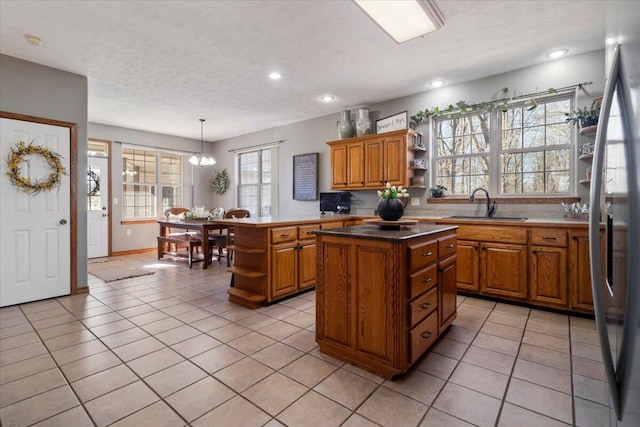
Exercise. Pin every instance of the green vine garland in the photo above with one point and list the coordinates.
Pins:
(219, 181)
(18, 155)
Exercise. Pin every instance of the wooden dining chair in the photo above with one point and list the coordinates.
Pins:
(233, 213)
(189, 240)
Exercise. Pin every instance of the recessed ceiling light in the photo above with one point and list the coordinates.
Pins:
(327, 98)
(557, 53)
(403, 20)
(437, 83)
(33, 40)
(275, 76)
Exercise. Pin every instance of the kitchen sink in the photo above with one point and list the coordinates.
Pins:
(493, 218)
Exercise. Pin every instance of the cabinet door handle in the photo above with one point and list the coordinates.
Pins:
(427, 280)
(574, 237)
(549, 239)
(450, 245)
(284, 235)
(426, 305)
(427, 253)
(426, 335)
(534, 252)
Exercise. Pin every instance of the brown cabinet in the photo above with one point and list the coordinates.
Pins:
(546, 265)
(503, 270)
(581, 295)
(380, 304)
(293, 257)
(548, 280)
(369, 161)
(347, 166)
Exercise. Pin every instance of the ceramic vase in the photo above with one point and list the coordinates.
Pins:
(390, 209)
(363, 123)
(345, 129)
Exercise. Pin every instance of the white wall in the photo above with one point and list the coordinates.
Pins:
(35, 90)
(311, 136)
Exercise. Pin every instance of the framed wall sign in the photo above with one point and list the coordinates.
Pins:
(305, 176)
(391, 123)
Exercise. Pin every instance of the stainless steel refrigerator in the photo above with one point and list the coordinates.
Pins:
(615, 202)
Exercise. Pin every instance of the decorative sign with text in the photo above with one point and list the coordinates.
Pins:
(396, 122)
(305, 176)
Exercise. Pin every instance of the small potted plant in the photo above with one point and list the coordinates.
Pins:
(584, 117)
(437, 191)
(392, 200)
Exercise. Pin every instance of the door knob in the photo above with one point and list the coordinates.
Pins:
(63, 221)
(104, 214)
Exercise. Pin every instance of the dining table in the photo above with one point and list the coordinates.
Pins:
(202, 226)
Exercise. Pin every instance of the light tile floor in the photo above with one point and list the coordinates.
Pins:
(169, 349)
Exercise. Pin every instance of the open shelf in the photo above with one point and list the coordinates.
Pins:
(246, 272)
(417, 148)
(415, 168)
(589, 130)
(586, 156)
(585, 181)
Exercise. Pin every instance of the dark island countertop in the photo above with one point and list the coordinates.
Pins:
(373, 232)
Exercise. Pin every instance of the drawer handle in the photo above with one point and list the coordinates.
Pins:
(426, 305)
(427, 280)
(549, 239)
(450, 245)
(426, 335)
(427, 253)
(284, 235)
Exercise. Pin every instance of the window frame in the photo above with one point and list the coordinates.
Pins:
(273, 184)
(495, 153)
(156, 187)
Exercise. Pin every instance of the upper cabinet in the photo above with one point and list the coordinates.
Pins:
(368, 162)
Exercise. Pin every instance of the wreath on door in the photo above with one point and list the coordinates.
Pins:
(219, 181)
(93, 183)
(18, 156)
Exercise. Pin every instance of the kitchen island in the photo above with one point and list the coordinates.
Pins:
(275, 257)
(383, 297)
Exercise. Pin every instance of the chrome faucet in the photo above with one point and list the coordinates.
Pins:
(491, 207)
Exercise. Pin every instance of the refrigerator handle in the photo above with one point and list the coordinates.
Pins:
(594, 231)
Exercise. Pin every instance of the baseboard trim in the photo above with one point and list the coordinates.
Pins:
(134, 251)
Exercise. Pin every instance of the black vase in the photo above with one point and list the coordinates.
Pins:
(390, 209)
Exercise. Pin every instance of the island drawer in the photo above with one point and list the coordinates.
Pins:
(423, 336)
(423, 280)
(305, 231)
(284, 234)
(447, 246)
(549, 237)
(422, 254)
(423, 306)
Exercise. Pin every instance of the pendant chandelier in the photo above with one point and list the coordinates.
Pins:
(199, 159)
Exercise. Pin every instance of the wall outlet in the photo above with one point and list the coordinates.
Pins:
(115, 200)
(128, 232)
(415, 201)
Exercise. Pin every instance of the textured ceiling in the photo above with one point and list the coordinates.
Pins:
(160, 66)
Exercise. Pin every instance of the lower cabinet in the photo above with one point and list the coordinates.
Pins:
(381, 304)
(580, 294)
(468, 261)
(503, 270)
(293, 263)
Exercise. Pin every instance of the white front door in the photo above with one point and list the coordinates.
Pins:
(97, 212)
(35, 230)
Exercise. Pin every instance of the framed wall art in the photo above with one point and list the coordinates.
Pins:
(305, 176)
(396, 122)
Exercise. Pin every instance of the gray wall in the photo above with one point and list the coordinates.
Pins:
(311, 136)
(144, 235)
(36, 90)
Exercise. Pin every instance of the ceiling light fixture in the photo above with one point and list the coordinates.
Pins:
(275, 76)
(33, 40)
(327, 98)
(559, 53)
(437, 83)
(199, 159)
(403, 20)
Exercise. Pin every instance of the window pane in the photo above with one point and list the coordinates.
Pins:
(533, 137)
(248, 198)
(171, 196)
(139, 201)
(93, 188)
(171, 169)
(138, 165)
(266, 167)
(249, 168)
(445, 147)
(543, 129)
